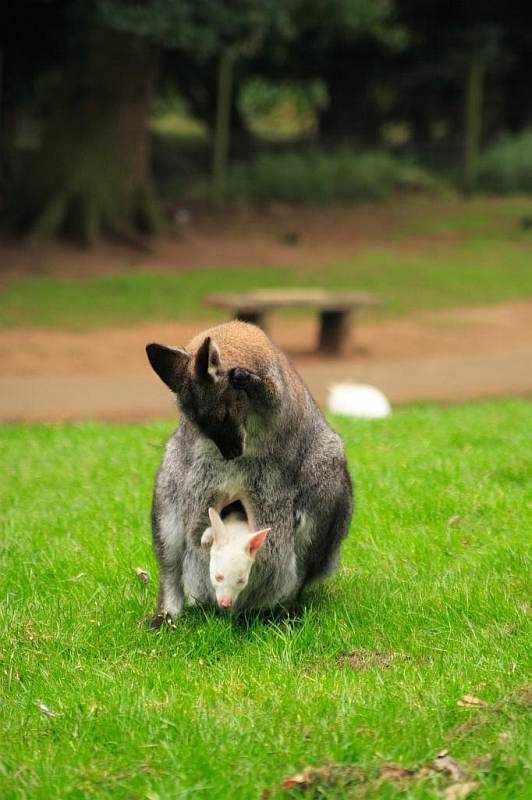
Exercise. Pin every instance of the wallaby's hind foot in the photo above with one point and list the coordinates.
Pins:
(161, 620)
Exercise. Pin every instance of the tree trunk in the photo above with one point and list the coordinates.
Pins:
(473, 124)
(199, 84)
(222, 127)
(90, 176)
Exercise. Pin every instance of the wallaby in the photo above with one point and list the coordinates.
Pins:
(250, 433)
(233, 548)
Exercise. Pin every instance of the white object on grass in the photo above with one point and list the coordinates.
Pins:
(358, 400)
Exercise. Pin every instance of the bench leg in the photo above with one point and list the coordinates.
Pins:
(258, 318)
(335, 327)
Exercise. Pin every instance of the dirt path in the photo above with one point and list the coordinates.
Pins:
(131, 398)
(34, 352)
(455, 354)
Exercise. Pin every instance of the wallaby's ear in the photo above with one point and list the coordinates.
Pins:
(218, 528)
(256, 540)
(207, 363)
(169, 363)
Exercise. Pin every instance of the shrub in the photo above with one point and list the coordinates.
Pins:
(314, 176)
(506, 166)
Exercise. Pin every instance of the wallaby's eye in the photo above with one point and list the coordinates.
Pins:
(242, 579)
(219, 577)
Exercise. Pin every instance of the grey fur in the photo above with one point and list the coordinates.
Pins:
(291, 476)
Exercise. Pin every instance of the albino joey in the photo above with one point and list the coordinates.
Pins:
(233, 549)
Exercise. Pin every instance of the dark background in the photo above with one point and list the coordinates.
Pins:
(113, 111)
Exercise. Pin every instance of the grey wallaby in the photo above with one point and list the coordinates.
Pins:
(251, 439)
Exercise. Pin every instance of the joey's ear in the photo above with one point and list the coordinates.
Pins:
(207, 538)
(169, 363)
(256, 540)
(207, 363)
(218, 528)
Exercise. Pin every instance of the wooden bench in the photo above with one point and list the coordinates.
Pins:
(335, 308)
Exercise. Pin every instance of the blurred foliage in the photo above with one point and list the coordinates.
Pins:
(314, 176)
(202, 27)
(356, 73)
(506, 166)
(171, 117)
(335, 22)
(260, 97)
(279, 111)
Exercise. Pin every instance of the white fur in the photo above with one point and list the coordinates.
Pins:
(358, 400)
(231, 557)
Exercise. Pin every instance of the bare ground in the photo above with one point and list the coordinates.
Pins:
(454, 354)
(278, 234)
(34, 352)
(450, 355)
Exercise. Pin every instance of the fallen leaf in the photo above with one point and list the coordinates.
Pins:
(142, 575)
(393, 772)
(330, 774)
(456, 791)
(471, 701)
(48, 711)
(295, 780)
(447, 764)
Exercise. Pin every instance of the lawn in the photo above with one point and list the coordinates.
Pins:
(442, 254)
(430, 604)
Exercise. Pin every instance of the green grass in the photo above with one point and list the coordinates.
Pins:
(124, 299)
(224, 709)
(497, 219)
(478, 270)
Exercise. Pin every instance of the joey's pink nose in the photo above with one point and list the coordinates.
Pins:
(226, 602)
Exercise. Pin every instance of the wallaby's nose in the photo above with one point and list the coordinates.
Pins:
(226, 602)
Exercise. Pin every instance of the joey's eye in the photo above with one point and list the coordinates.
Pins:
(242, 579)
(219, 577)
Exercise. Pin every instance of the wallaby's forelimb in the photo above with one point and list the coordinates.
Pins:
(260, 390)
